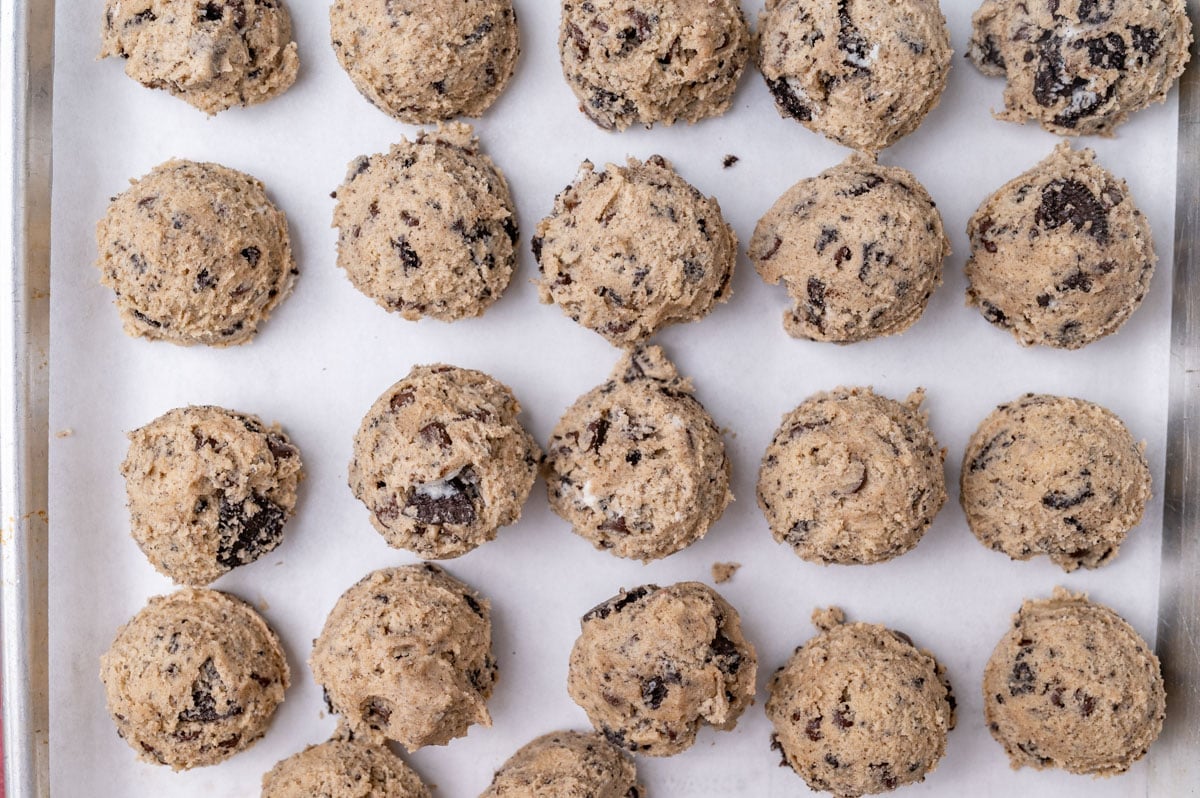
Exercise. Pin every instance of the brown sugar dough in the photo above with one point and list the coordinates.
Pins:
(566, 764)
(859, 248)
(1080, 67)
(1057, 476)
(631, 249)
(428, 228)
(1073, 686)
(343, 768)
(859, 709)
(442, 462)
(196, 254)
(212, 55)
(406, 655)
(852, 477)
(646, 61)
(1060, 256)
(652, 665)
(193, 678)
(723, 572)
(863, 73)
(209, 489)
(423, 61)
(636, 465)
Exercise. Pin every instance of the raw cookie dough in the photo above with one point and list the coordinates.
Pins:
(193, 678)
(429, 228)
(406, 655)
(863, 73)
(1073, 686)
(1056, 476)
(859, 709)
(213, 55)
(654, 664)
(196, 254)
(1060, 256)
(423, 61)
(859, 248)
(209, 489)
(647, 61)
(566, 764)
(636, 465)
(343, 768)
(1080, 67)
(852, 477)
(442, 462)
(631, 249)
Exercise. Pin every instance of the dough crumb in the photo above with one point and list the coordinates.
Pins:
(729, 161)
(64, 433)
(722, 572)
(826, 619)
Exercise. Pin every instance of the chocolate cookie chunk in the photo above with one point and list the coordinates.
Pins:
(343, 768)
(568, 764)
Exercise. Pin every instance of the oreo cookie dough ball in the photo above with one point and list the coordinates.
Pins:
(209, 489)
(343, 768)
(193, 678)
(421, 61)
(863, 73)
(1060, 256)
(859, 248)
(196, 254)
(852, 477)
(1073, 686)
(859, 709)
(429, 228)
(646, 61)
(636, 465)
(652, 665)
(406, 655)
(442, 462)
(1080, 67)
(568, 764)
(632, 249)
(1056, 476)
(212, 55)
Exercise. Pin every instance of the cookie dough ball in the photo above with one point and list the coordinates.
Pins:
(859, 248)
(429, 228)
(343, 768)
(212, 55)
(209, 489)
(442, 462)
(629, 250)
(423, 61)
(648, 61)
(859, 709)
(852, 477)
(406, 655)
(1073, 686)
(1081, 67)
(863, 73)
(654, 664)
(568, 764)
(1060, 256)
(193, 679)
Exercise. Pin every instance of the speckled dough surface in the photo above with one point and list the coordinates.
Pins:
(652, 665)
(406, 655)
(209, 489)
(1057, 476)
(193, 678)
(859, 248)
(428, 229)
(213, 55)
(1073, 686)
(646, 61)
(1060, 256)
(442, 462)
(342, 768)
(859, 709)
(862, 72)
(631, 249)
(636, 465)
(423, 61)
(196, 254)
(566, 764)
(1080, 66)
(852, 477)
